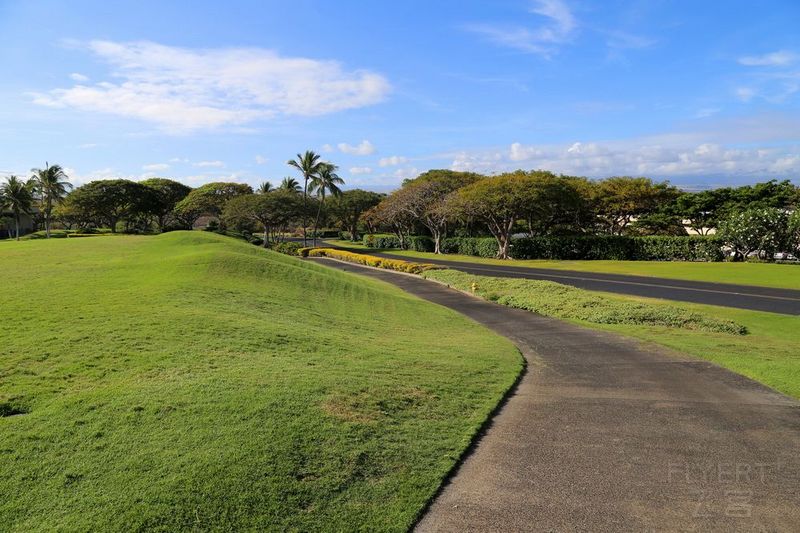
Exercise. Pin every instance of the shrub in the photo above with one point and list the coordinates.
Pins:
(563, 301)
(370, 260)
(288, 248)
(381, 240)
(622, 248)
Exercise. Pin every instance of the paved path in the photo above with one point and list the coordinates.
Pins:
(604, 434)
(784, 301)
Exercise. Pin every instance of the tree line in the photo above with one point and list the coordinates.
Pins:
(752, 218)
(438, 203)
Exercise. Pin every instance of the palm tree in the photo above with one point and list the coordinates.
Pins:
(290, 184)
(16, 196)
(325, 181)
(51, 185)
(308, 164)
(264, 188)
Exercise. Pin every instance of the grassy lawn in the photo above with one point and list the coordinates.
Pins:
(768, 353)
(191, 381)
(758, 274)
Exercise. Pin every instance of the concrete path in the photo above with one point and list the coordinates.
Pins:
(605, 434)
(785, 301)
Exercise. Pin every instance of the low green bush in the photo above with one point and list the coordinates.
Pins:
(288, 248)
(594, 247)
(562, 301)
(416, 243)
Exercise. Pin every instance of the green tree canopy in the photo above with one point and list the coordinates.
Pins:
(273, 211)
(17, 197)
(107, 202)
(168, 194)
(51, 186)
(756, 229)
(209, 199)
(620, 199)
(350, 206)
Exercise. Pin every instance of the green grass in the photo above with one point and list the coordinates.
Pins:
(757, 274)
(563, 301)
(191, 381)
(768, 353)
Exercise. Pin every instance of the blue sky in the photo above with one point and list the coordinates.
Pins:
(700, 93)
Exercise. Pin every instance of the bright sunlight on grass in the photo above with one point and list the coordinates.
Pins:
(191, 381)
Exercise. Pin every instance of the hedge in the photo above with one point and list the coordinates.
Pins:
(621, 248)
(385, 240)
(370, 260)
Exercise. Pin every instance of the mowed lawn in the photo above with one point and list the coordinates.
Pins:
(191, 381)
(757, 274)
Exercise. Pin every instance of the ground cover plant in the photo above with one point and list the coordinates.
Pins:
(399, 265)
(193, 381)
(563, 301)
(767, 353)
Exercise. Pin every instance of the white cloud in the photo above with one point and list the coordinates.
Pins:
(328, 148)
(206, 164)
(360, 170)
(363, 148)
(182, 89)
(780, 58)
(558, 28)
(392, 161)
(155, 167)
(260, 160)
(745, 94)
(179, 160)
(406, 173)
(75, 76)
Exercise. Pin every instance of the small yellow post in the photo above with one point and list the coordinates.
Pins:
(474, 286)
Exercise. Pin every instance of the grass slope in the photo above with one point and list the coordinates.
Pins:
(190, 381)
(768, 353)
(757, 274)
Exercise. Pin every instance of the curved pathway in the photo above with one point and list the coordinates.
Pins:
(605, 434)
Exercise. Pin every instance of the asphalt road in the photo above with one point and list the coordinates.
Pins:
(603, 433)
(783, 301)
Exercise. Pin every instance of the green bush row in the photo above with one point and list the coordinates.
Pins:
(387, 240)
(288, 248)
(622, 248)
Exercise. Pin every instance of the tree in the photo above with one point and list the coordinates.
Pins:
(168, 194)
(325, 181)
(702, 210)
(497, 202)
(290, 184)
(209, 199)
(309, 165)
(50, 185)
(757, 229)
(621, 199)
(107, 202)
(423, 199)
(273, 211)
(16, 196)
(70, 216)
(557, 203)
(793, 233)
(264, 187)
(350, 206)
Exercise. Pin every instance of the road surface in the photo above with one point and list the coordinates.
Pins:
(603, 433)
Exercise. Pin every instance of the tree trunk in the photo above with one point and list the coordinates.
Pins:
(437, 239)
(47, 224)
(305, 207)
(266, 236)
(316, 220)
(16, 220)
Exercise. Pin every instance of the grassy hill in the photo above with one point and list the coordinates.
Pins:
(190, 381)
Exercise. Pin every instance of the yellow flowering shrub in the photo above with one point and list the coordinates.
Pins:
(370, 260)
